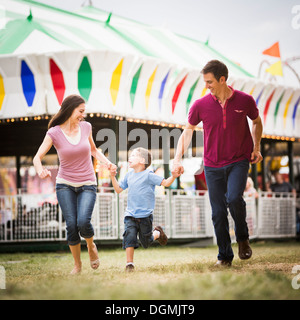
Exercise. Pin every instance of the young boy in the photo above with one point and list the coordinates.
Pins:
(140, 203)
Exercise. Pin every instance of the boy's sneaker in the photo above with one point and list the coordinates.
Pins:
(129, 267)
(163, 239)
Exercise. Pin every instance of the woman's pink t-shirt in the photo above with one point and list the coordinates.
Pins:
(75, 160)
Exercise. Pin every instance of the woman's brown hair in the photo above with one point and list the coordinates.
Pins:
(67, 107)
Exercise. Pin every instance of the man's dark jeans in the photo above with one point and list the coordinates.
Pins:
(226, 186)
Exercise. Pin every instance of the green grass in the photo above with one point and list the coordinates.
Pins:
(161, 273)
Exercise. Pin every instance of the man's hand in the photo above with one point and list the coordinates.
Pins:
(182, 145)
(256, 157)
(177, 169)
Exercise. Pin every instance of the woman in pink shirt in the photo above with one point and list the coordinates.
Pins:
(76, 180)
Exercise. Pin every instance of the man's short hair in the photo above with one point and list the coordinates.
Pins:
(217, 68)
(146, 155)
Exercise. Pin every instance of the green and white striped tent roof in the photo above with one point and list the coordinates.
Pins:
(91, 28)
(121, 67)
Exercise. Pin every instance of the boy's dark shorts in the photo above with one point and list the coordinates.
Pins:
(142, 227)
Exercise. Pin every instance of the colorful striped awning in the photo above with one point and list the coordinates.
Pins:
(145, 93)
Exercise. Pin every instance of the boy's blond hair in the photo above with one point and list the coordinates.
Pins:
(146, 155)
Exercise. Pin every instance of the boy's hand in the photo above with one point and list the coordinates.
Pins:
(176, 174)
(112, 170)
(112, 173)
(111, 167)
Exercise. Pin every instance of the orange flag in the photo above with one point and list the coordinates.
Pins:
(273, 50)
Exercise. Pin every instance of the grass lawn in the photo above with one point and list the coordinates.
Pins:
(161, 273)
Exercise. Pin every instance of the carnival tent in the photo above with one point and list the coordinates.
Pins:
(122, 68)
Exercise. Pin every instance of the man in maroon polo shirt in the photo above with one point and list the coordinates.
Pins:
(229, 147)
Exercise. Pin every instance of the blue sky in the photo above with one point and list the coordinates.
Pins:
(239, 29)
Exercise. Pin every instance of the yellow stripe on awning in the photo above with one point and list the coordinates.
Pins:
(286, 110)
(2, 91)
(115, 82)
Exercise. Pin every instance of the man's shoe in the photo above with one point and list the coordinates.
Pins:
(245, 251)
(223, 263)
(163, 239)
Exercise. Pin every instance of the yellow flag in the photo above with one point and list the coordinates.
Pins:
(275, 69)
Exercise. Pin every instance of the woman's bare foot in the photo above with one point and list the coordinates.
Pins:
(76, 270)
(94, 258)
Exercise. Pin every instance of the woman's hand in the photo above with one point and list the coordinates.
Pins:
(112, 168)
(44, 173)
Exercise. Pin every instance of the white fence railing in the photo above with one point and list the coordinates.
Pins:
(277, 216)
(191, 214)
(182, 214)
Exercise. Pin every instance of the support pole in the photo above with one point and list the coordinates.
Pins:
(18, 175)
(263, 166)
(254, 175)
(291, 162)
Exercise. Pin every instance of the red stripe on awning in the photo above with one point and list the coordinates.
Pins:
(177, 93)
(57, 81)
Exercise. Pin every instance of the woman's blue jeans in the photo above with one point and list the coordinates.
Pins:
(77, 204)
(226, 186)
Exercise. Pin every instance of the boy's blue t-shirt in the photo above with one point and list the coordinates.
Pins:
(141, 192)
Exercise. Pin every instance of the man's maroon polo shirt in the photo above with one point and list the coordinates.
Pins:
(227, 137)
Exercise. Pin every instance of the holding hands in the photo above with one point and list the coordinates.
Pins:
(177, 169)
(112, 169)
(175, 173)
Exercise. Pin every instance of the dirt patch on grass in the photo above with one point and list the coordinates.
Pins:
(285, 268)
